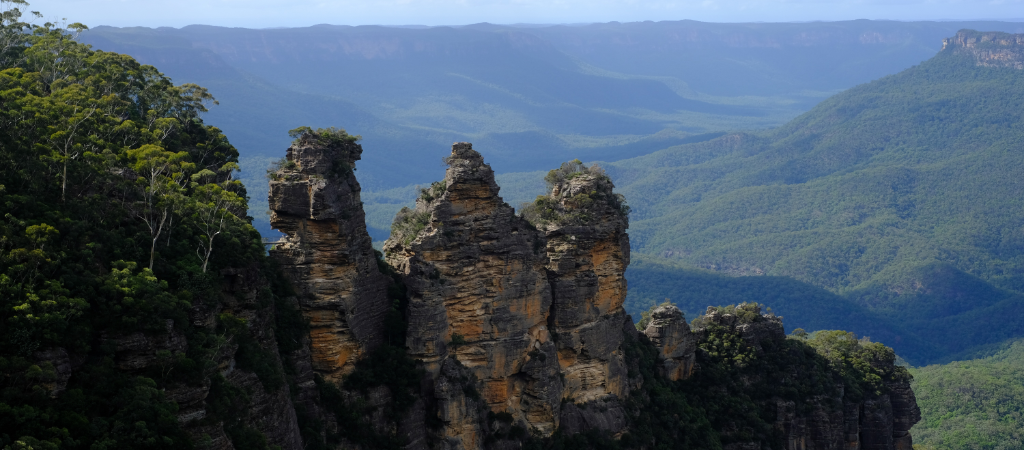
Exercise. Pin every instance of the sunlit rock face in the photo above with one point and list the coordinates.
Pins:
(989, 49)
(676, 344)
(478, 292)
(327, 253)
(588, 252)
(534, 315)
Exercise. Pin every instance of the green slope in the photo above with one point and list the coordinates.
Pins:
(903, 195)
(976, 404)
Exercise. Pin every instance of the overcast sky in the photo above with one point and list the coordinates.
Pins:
(267, 13)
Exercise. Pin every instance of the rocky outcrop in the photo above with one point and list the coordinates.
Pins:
(478, 292)
(879, 421)
(670, 333)
(989, 49)
(327, 253)
(533, 314)
(588, 252)
(748, 321)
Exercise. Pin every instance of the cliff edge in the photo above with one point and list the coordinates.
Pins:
(989, 49)
(326, 252)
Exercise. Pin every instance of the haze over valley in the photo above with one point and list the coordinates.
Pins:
(641, 234)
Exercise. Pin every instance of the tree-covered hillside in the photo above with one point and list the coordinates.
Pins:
(903, 195)
(119, 214)
(976, 404)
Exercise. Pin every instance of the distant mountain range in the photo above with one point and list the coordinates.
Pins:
(528, 98)
(891, 209)
(903, 196)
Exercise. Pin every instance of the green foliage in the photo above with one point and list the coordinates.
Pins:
(120, 209)
(436, 190)
(330, 136)
(562, 208)
(895, 194)
(227, 403)
(387, 366)
(352, 414)
(408, 224)
(974, 404)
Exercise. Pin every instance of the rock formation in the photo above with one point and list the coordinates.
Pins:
(516, 320)
(670, 333)
(479, 294)
(327, 253)
(989, 49)
(587, 251)
(880, 421)
(534, 315)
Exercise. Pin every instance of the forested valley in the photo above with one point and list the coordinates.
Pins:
(140, 309)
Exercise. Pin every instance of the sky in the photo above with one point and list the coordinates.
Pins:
(294, 13)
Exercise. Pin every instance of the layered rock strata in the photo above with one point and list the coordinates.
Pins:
(670, 333)
(534, 315)
(479, 294)
(989, 49)
(588, 252)
(327, 253)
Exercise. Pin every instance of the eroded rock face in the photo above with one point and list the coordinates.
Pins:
(327, 253)
(588, 252)
(670, 333)
(989, 49)
(475, 274)
(534, 315)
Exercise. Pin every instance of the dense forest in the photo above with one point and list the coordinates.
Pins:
(902, 196)
(120, 210)
(974, 404)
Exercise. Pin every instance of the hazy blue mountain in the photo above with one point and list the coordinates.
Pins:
(526, 97)
(902, 195)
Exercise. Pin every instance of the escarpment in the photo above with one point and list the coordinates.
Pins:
(516, 326)
(746, 352)
(327, 253)
(989, 49)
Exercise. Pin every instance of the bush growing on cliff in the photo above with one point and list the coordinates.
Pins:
(561, 208)
(324, 136)
(408, 224)
(436, 190)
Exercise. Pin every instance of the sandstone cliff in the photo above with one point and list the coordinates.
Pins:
(989, 49)
(327, 253)
(878, 418)
(534, 315)
(517, 327)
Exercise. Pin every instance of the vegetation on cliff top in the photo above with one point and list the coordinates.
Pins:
(575, 193)
(733, 397)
